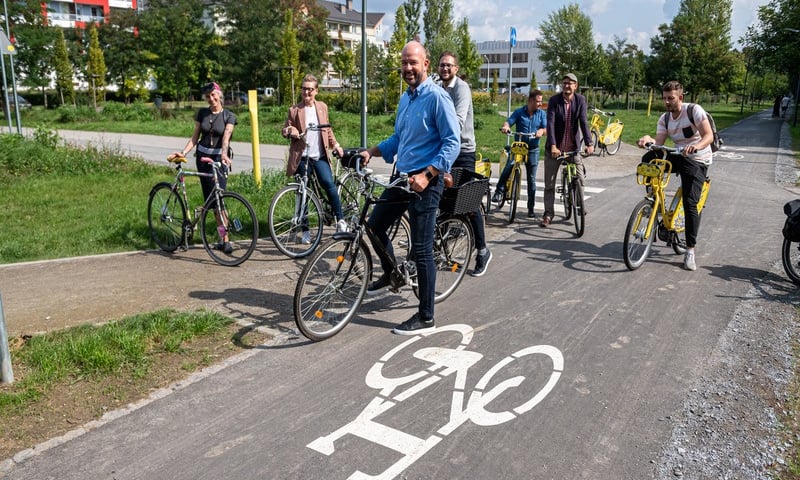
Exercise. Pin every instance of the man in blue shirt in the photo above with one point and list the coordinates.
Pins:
(528, 119)
(426, 142)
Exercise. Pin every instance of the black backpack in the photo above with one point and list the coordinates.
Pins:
(717, 143)
(791, 228)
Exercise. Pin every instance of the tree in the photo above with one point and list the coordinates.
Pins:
(412, 9)
(391, 62)
(566, 44)
(438, 26)
(290, 60)
(35, 53)
(695, 48)
(773, 44)
(469, 59)
(344, 62)
(180, 44)
(63, 71)
(96, 68)
(126, 59)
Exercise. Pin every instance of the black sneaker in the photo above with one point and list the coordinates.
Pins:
(531, 214)
(498, 196)
(481, 262)
(414, 325)
(378, 285)
(225, 247)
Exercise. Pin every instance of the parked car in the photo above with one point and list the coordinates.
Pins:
(20, 101)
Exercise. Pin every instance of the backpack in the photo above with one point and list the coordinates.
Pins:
(791, 228)
(717, 143)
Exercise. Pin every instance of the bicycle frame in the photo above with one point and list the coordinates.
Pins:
(180, 183)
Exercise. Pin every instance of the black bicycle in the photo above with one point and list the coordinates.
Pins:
(334, 282)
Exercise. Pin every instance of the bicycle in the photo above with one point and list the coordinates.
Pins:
(334, 282)
(518, 150)
(484, 168)
(790, 252)
(571, 191)
(225, 214)
(299, 210)
(608, 140)
(651, 217)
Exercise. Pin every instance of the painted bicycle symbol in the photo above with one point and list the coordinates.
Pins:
(728, 154)
(443, 363)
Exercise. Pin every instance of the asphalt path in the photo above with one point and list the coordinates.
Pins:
(558, 363)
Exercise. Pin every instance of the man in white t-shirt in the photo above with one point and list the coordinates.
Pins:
(696, 135)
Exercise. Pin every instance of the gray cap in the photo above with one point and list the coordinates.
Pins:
(571, 76)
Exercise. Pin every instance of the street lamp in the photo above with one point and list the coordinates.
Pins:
(487, 72)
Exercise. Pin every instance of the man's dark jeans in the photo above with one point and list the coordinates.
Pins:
(422, 208)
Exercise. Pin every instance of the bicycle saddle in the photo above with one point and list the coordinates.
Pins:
(176, 158)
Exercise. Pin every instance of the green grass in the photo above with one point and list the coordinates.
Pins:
(123, 348)
(62, 201)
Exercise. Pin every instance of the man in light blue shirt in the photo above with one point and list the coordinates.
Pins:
(426, 142)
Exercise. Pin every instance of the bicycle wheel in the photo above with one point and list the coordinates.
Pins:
(791, 260)
(349, 188)
(566, 199)
(167, 217)
(579, 219)
(331, 287)
(400, 237)
(486, 205)
(595, 139)
(288, 222)
(516, 181)
(452, 251)
(636, 245)
(614, 147)
(235, 218)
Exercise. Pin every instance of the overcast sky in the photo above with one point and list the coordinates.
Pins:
(635, 21)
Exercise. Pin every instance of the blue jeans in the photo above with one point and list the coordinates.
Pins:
(322, 170)
(422, 210)
(530, 168)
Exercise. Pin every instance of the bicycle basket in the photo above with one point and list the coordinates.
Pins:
(646, 173)
(350, 157)
(612, 133)
(466, 194)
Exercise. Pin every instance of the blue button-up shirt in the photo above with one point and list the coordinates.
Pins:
(426, 130)
(528, 123)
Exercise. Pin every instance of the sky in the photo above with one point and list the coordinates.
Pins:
(635, 21)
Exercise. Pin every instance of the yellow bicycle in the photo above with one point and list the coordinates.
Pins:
(518, 152)
(606, 140)
(484, 168)
(650, 217)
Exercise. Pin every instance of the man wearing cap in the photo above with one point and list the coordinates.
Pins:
(566, 129)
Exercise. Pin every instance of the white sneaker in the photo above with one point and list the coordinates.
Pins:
(341, 225)
(688, 261)
(306, 237)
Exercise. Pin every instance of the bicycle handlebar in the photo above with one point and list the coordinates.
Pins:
(597, 110)
(518, 134)
(566, 155)
(664, 148)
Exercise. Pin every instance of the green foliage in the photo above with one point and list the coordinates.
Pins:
(96, 67)
(137, 111)
(290, 57)
(412, 10)
(63, 70)
(566, 44)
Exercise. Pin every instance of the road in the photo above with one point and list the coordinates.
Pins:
(559, 363)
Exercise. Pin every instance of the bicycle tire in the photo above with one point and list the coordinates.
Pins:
(167, 217)
(566, 199)
(578, 213)
(400, 238)
(286, 221)
(239, 223)
(516, 182)
(331, 287)
(348, 186)
(453, 243)
(614, 147)
(635, 247)
(790, 257)
(595, 139)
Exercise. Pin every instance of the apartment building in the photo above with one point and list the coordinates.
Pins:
(79, 14)
(525, 60)
(343, 18)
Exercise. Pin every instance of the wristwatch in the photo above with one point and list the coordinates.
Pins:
(429, 175)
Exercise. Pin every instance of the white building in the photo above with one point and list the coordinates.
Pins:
(342, 18)
(525, 60)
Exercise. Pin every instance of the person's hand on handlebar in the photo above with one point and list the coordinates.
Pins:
(290, 132)
(642, 142)
(506, 128)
